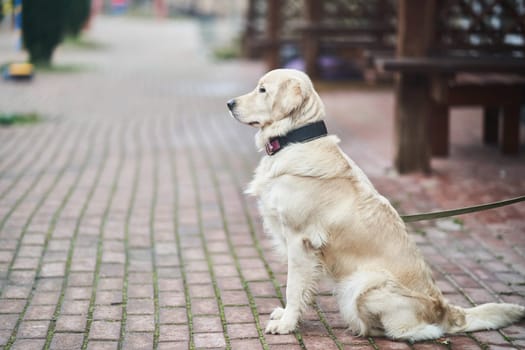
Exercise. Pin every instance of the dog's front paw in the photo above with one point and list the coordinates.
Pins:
(280, 326)
(277, 313)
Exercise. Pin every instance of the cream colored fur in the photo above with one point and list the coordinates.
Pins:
(326, 218)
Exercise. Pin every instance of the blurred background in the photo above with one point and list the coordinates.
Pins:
(61, 20)
(462, 52)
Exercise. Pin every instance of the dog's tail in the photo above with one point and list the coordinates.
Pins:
(482, 317)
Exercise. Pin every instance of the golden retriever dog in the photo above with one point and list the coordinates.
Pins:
(326, 218)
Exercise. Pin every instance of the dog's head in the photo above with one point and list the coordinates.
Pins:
(283, 99)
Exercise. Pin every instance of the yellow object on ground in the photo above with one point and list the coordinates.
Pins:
(20, 69)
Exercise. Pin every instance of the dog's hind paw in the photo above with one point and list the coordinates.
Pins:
(279, 327)
(277, 313)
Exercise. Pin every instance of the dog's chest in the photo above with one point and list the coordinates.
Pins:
(270, 194)
(281, 192)
(284, 201)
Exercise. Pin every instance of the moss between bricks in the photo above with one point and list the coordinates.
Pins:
(257, 246)
(48, 235)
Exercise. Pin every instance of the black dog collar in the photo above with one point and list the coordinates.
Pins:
(305, 133)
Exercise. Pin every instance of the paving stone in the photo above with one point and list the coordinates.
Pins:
(313, 342)
(230, 283)
(78, 293)
(110, 284)
(267, 305)
(8, 306)
(207, 324)
(171, 333)
(238, 314)
(33, 329)
(105, 330)
(243, 331)
(66, 341)
(49, 284)
(173, 315)
(234, 298)
(81, 279)
(199, 278)
(168, 285)
(209, 340)
(204, 306)
(4, 336)
(519, 343)
(140, 291)
(104, 312)
(138, 341)
(25, 263)
(173, 346)
(262, 289)
(280, 339)
(45, 298)
(66, 323)
(75, 307)
(289, 346)
(140, 306)
(24, 344)
(53, 270)
(247, 344)
(8, 321)
(202, 291)
(102, 345)
(140, 323)
(492, 338)
(387, 344)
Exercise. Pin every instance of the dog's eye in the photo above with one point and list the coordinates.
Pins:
(262, 90)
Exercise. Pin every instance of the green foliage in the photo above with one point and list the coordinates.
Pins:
(83, 43)
(458, 222)
(6, 6)
(228, 51)
(77, 14)
(65, 69)
(18, 118)
(43, 28)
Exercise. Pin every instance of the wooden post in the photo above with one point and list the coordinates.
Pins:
(490, 125)
(510, 129)
(273, 24)
(416, 26)
(439, 129)
(310, 42)
(249, 31)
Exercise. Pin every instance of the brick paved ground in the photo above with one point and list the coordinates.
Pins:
(123, 224)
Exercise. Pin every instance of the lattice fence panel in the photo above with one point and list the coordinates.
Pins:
(482, 27)
(369, 21)
(292, 17)
(360, 12)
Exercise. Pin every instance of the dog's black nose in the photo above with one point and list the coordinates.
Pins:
(231, 104)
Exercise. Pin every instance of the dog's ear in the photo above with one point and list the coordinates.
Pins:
(290, 96)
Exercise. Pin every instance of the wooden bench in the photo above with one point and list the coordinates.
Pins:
(493, 83)
(434, 72)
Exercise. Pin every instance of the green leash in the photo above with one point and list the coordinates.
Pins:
(446, 213)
